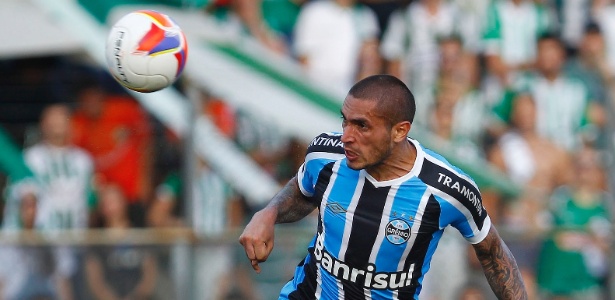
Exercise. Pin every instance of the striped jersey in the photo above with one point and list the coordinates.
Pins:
(375, 239)
(561, 107)
(65, 178)
(511, 30)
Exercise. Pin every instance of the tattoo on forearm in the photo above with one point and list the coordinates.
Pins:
(501, 269)
(291, 204)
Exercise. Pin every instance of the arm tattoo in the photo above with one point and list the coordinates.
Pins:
(500, 268)
(290, 203)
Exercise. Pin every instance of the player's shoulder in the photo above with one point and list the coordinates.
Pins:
(326, 142)
(438, 172)
(327, 146)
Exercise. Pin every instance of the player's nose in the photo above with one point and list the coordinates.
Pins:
(347, 135)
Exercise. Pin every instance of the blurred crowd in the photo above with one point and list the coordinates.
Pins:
(525, 85)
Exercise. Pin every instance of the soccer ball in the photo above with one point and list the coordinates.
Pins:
(146, 51)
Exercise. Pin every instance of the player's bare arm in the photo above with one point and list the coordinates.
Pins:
(500, 267)
(288, 205)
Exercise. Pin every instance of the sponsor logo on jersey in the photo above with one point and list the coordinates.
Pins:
(463, 190)
(368, 277)
(397, 231)
(327, 141)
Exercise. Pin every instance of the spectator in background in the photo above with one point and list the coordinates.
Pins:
(410, 47)
(590, 63)
(565, 114)
(531, 161)
(119, 271)
(538, 166)
(574, 260)
(34, 272)
(590, 66)
(115, 130)
(64, 172)
(337, 42)
(458, 93)
(510, 36)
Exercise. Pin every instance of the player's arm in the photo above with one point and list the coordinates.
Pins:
(500, 267)
(288, 205)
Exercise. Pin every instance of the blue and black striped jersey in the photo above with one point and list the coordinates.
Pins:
(375, 239)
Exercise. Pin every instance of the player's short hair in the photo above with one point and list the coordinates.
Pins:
(394, 98)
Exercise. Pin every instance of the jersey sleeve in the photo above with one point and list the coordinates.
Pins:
(460, 199)
(323, 149)
(472, 220)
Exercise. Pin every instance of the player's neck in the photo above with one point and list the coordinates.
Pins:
(397, 165)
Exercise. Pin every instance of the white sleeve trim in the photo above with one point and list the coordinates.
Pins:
(482, 234)
(300, 181)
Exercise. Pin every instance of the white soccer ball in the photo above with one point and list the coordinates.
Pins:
(146, 51)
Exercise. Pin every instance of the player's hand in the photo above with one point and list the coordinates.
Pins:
(257, 238)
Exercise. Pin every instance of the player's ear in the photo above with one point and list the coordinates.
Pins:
(400, 131)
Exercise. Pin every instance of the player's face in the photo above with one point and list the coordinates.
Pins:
(367, 135)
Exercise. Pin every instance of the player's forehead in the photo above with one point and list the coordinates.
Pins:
(356, 108)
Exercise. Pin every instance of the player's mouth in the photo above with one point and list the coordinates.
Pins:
(350, 155)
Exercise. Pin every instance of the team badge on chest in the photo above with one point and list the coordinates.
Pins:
(397, 231)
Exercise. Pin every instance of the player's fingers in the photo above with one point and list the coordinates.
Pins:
(255, 266)
(249, 249)
(261, 251)
(250, 253)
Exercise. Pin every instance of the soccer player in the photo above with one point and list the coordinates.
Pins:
(384, 201)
